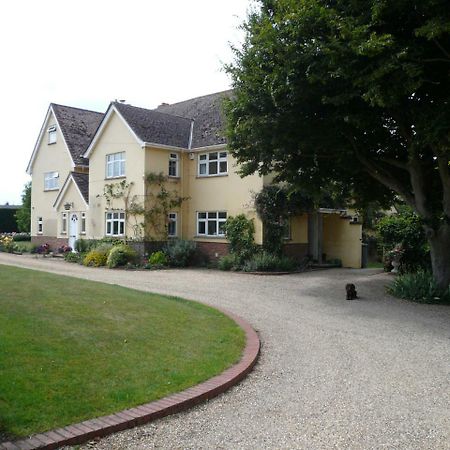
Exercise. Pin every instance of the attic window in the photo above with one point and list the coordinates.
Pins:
(52, 134)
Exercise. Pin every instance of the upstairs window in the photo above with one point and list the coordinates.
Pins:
(51, 181)
(115, 165)
(172, 224)
(52, 134)
(211, 223)
(212, 164)
(173, 165)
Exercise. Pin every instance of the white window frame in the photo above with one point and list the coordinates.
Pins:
(51, 181)
(115, 217)
(115, 165)
(52, 134)
(172, 218)
(206, 217)
(83, 223)
(40, 225)
(174, 163)
(64, 223)
(205, 163)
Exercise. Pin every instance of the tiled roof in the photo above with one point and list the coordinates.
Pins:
(207, 114)
(82, 181)
(155, 126)
(78, 127)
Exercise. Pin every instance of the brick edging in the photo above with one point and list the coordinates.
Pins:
(129, 418)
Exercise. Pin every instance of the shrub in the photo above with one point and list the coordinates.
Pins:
(405, 229)
(73, 257)
(97, 256)
(64, 249)
(229, 262)
(121, 255)
(158, 259)
(6, 244)
(43, 249)
(419, 287)
(240, 233)
(267, 262)
(22, 237)
(180, 253)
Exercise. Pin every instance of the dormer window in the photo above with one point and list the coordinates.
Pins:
(52, 134)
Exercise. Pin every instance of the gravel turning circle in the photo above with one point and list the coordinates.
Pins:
(369, 373)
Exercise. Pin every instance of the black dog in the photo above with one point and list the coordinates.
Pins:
(351, 291)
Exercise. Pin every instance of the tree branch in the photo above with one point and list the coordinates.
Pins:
(418, 185)
(395, 163)
(441, 48)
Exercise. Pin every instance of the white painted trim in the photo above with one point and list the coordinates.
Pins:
(41, 135)
(64, 189)
(332, 211)
(208, 148)
(102, 126)
(164, 147)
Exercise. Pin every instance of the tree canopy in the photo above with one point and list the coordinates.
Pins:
(23, 215)
(352, 96)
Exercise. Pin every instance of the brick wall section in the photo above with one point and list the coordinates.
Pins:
(210, 249)
(295, 251)
(53, 241)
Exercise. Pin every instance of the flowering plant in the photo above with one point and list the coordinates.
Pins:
(64, 249)
(43, 249)
(397, 252)
(6, 244)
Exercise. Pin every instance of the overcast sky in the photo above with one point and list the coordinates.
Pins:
(86, 53)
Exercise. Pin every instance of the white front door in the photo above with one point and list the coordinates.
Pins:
(73, 229)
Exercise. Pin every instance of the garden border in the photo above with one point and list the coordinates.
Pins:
(102, 426)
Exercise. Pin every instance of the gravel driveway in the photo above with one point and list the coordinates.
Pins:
(366, 374)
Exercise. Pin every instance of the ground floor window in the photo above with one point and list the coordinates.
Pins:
(83, 223)
(172, 224)
(115, 223)
(40, 225)
(64, 223)
(211, 223)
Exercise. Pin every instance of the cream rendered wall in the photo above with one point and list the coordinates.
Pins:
(299, 229)
(342, 240)
(72, 195)
(116, 137)
(229, 193)
(157, 161)
(49, 158)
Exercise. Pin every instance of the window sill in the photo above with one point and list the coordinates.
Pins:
(52, 189)
(204, 236)
(115, 178)
(172, 178)
(213, 176)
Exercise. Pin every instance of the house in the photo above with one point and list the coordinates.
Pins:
(80, 154)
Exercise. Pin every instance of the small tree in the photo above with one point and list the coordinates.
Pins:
(240, 233)
(23, 215)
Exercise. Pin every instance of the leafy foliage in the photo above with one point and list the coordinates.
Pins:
(349, 96)
(98, 256)
(420, 287)
(180, 253)
(229, 262)
(158, 259)
(23, 215)
(267, 262)
(240, 233)
(121, 255)
(405, 228)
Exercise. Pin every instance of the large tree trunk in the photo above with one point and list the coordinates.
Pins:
(439, 241)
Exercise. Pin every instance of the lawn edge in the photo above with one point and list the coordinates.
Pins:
(102, 426)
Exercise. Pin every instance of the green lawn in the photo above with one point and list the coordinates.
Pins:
(72, 349)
